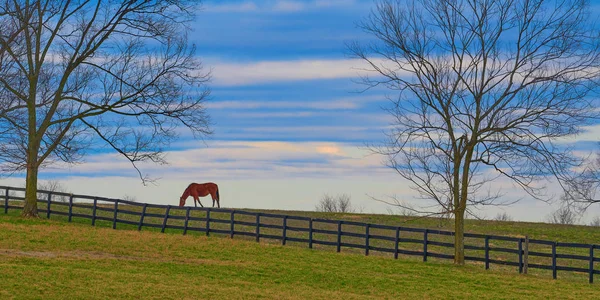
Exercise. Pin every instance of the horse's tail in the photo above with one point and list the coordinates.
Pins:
(218, 197)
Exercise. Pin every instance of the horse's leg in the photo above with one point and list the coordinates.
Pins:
(198, 199)
(214, 197)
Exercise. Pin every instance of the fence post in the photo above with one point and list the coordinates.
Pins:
(487, 252)
(310, 233)
(115, 214)
(232, 223)
(339, 236)
(164, 225)
(70, 207)
(425, 234)
(187, 220)
(6, 191)
(554, 260)
(520, 256)
(397, 242)
(591, 264)
(367, 228)
(526, 255)
(284, 232)
(257, 227)
(48, 207)
(207, 221)
(94, 212)
(142, 216)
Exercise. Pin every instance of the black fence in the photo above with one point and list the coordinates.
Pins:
(520, 252)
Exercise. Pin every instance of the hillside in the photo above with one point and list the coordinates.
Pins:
(54, 259)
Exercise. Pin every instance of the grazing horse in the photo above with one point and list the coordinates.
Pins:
(200, 190)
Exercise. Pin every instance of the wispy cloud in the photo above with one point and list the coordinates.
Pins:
(245, 6)
(277, 6)
(588, 134)
(232, 74)
(289, 6)
(329, 104)
(241, 160)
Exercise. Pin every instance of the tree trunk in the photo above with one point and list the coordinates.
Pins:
(30, 207)
(459, 231)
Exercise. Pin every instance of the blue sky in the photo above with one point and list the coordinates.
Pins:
(289, 120)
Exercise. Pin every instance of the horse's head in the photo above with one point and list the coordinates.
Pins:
(181, 201)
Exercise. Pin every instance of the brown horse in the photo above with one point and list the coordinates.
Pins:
(200, 190)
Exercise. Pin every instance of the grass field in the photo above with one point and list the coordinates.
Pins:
(560, 233)
(53, 259)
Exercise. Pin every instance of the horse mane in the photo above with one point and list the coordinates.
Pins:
(186, 192)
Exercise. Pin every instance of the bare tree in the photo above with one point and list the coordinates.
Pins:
(583, 189)
(564, 215)
(54, 186)
(340, 203)
(595, 221)
(504, 216)
(130, 198)
(77, 74)
(483, 87)
(344, 204)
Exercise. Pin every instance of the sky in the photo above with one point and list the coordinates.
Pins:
(290, 120)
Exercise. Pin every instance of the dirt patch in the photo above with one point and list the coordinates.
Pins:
(97, 255)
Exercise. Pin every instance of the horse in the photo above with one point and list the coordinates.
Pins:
(200, 190)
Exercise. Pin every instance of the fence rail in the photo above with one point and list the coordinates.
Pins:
(366, 237)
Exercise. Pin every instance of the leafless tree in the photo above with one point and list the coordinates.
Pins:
(53, 186)
(130, 198)
(340, 203)
(483, 88)
(504, 216)
(583, 188)
(564, 215)
(595, 221)
(81, 74)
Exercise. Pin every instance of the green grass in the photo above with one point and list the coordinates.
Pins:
(561, 233)
(52, 259)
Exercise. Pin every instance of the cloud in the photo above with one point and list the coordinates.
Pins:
(334, 3)
(329, 104)
(242, 160)
(309, 133)
(234, 74)
(588, 134)
(277, 6)
(329, 150)
(246, 6)
(289, 6)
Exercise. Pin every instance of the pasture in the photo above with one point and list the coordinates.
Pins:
(554, 250)
(54, 259)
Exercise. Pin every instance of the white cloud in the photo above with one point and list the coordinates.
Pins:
(330, 104)
(589, 133)
(244, 160)
(279, 71)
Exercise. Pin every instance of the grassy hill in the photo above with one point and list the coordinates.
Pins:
(535, 230)
(54, 259)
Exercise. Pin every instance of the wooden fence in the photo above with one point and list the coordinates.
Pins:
(519, 252)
